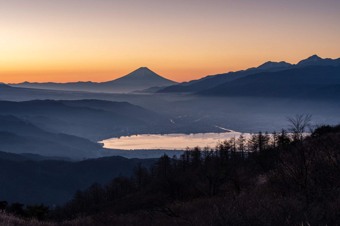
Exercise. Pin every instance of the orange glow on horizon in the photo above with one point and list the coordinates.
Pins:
(69, 41)
(178, 74)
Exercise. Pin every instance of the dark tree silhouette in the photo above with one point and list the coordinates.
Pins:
(298, 125)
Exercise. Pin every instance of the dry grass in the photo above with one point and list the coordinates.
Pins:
(10, 220)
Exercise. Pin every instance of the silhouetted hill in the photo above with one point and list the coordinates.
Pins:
(140, 79)
(275, 66)
(2, 85)
(315, 60)
(306, 81)
(122, 108)
(212, 81)
(29, 157)
(18, 136)
(55, 182)
(207, 82)
(13, 157)
(91, 119)
(15, 93)
(215, 80)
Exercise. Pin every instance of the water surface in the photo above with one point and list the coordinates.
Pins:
(168, 141)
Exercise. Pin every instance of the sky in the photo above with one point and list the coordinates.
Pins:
(100, 40)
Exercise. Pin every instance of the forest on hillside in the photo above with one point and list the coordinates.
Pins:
(285, 178)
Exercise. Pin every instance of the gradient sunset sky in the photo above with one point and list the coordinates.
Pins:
(100, 40)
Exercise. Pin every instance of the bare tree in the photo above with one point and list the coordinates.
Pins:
(299, 125)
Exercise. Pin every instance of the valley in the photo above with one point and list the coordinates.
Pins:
(50, 131)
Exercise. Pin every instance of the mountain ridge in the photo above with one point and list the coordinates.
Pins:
(139, 79)
(212, 81)
(297, 82)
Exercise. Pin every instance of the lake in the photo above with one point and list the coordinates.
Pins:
(168, 141)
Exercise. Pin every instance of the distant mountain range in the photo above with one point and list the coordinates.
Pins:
(312, 77)
(293, 83)
(271, 79)
(140, 79)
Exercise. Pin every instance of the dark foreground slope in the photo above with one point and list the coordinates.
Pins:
(55, 182)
